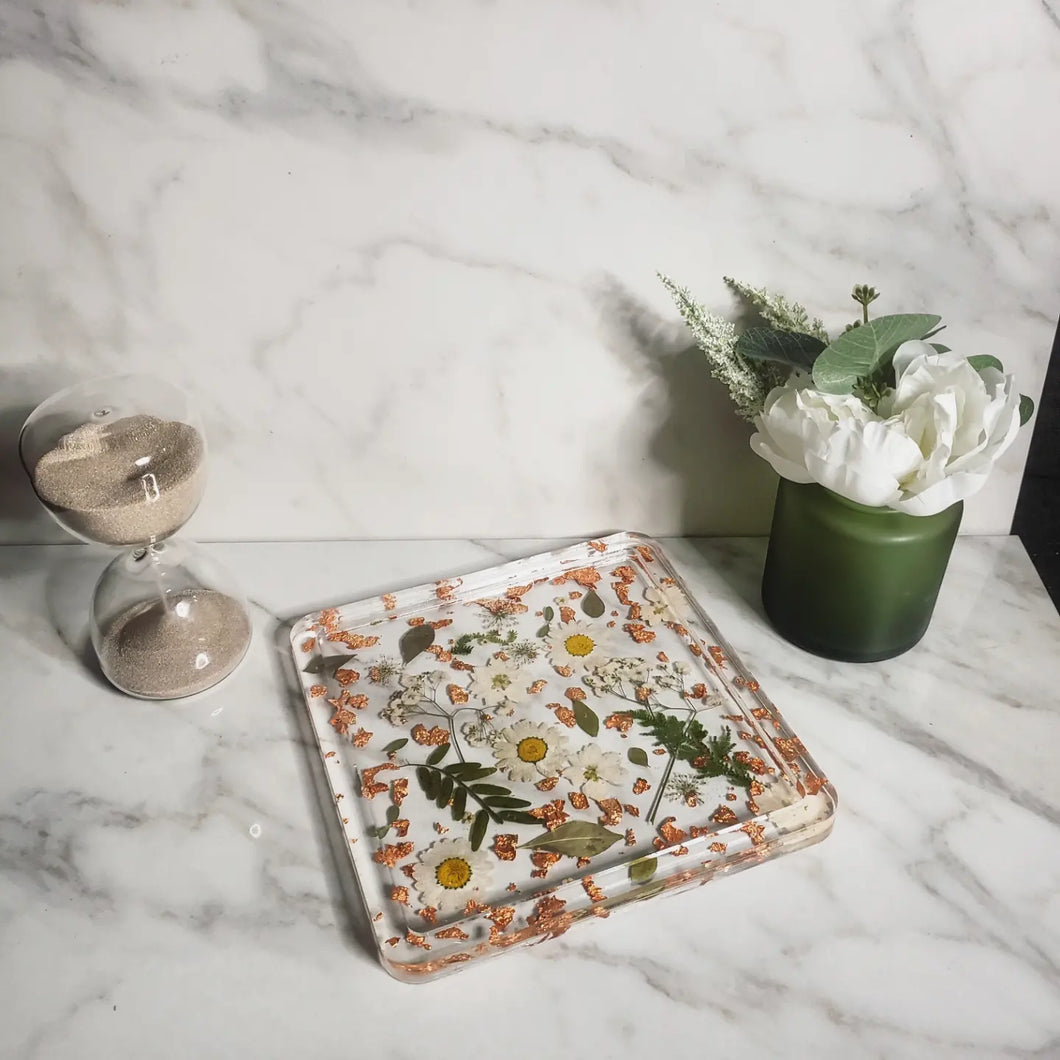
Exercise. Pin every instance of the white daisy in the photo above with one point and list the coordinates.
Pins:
(596, 772)
(449, 873)
(529, 750)
(579, 645)
(498, 684)
(666, 604)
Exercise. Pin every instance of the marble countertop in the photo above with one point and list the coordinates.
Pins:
(168, 886)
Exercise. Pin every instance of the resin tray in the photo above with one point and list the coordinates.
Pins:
(537, 744)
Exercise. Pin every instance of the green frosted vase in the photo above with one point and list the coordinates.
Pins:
(851, 582)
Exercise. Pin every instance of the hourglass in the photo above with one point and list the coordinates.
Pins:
(122, 461)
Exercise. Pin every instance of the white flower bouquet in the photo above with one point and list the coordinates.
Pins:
(881, 415)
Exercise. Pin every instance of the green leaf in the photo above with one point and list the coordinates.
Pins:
(939, 348)
(320, 664)
(467, 771)
(519, 817)
(478, 829)
(486, 790)
(984, 360)
(414, 641)
(576, 839)
(638, 756)
(642, 870)
(791, 348)
(395, 745)
(548, 614)
(542, 632)
(438, 754)
(428, 781)
(506, 802)
(392, 814)
(859, 352)
(592, 605)
(587, 718)
(459, 807)
(1026, 409)
(445, 792)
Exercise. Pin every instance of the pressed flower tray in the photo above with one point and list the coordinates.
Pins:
(537, 744)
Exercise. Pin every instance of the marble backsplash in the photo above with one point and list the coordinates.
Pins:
(404, 254)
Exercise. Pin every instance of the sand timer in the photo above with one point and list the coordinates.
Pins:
(122, 461)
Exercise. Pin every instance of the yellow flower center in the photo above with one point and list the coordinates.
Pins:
(453, 873)
(532, 749)
(579, 645)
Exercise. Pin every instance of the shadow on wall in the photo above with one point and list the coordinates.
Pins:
(22, 519)
(725, 490)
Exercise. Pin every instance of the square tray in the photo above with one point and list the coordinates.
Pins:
(540, 743)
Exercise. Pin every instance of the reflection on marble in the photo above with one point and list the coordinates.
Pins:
(166, 873)
(404, 254)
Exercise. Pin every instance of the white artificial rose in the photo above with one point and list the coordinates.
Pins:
(934, 440)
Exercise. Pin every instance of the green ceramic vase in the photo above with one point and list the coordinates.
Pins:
(850, 582)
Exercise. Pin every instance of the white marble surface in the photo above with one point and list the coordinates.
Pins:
(403, 253)
(167, 887)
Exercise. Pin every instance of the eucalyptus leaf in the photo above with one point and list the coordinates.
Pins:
(939, 348)
(438, 754)
(638, 756)
(576, 839)
(548, 614)
(592, 605)
(478, 829)
(984, 360)
(1026, 409)
(320, 664)
(395, 745)
(791, 348)
(859, 352)
(414, 641)
(587, 718)
(641, 871)
(392, 814)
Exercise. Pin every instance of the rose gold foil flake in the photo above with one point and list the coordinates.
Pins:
(308, 644)
(440, 828)
(632, 810)
(698, 691)
(631, 837)
(399, 895)
(755, 765)
(640, 633)
(579, 800)
(574, 595)
(547, 908)
(621, 721)
(567, 717)
(754, 830)
(723, 815)
(537, 687)
(504, 846)
(697, 833)
(456, 694)
(746, 735)
(553, 813)
(566, 614)
(401, 827)
(563, 671)
(756, 788)
(574, 694)
(511, 887)
(378, 916)
(643, 693)
(316, 691)
(453, 932)
(409, 871)
(389, 601)
(440, 653)
(392, 853)
(752, 805)
(398, 790)
(635, 613)
(681, 631)
(441, 623)
(361, 738)
(547, 784)
(471, 907)
(622, 592)
(679, 851)
(645, 553)
(814, 783)
(610, 625)
(416, 940)
(459, 664)
(717, 655)
(730, 796)
(718, 848)
(517, 592)
(598, 546)
(790, 749)
(671, 833)
(329, 617)
(738, 719)
(503, 606)
(641, 785)
(428, 913)
(430, 737)
(658, 843)
(590, 888)
(353, 641)
(444, 589)
(501, 917)
(345, 676)
(663, 657)
(543, 860)
(625, 574)
(659, 751)
(695, 649)
(502, 655)
(341, 721)
(761, 713)
(586, 577)
(610, 809)
(330, 754)
(418, 621)
(393, 941)
(369, 787)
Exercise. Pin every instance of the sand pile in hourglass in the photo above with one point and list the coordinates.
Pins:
(136, 481)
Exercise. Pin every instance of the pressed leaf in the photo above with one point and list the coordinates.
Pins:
(859, 352)
(506, 802)
(428, 781)
(320, 664)
(445, 792)
(548, 614)
(587, 718)
(576, 839)
(984, 360)
(478, 829)
(459, 803)
(395, 745)
(939, 348)
(415, 640)
(641, 871)
(438, 754)
(392, 814)
(638, 756)
(592, 605)
(468, 771)
(792, 348)
(519, 817)
(542, 632)
(1026, 409)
